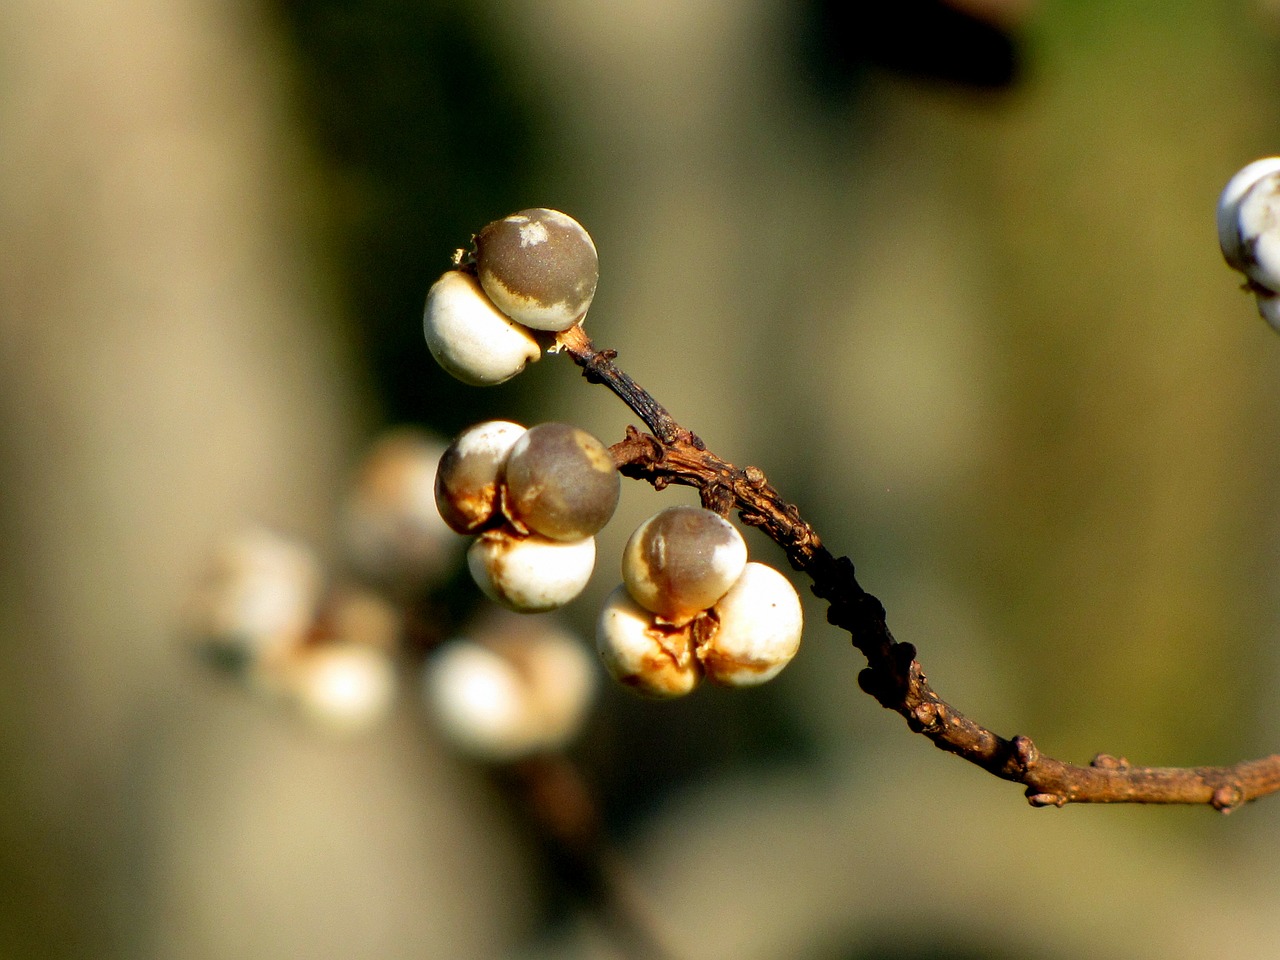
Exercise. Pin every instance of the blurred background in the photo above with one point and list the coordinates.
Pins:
(947, 273)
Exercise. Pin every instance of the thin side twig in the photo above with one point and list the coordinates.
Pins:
(672, 454)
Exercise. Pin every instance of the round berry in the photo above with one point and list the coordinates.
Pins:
(1258, 221)
(1230, 235)
(530, 574)
(470, 474)
(471, 338)
(509, 692)
(681, 561)
(760, 622)
(344, 687)
(561, 482)
(391, 528)
(647, 657)
(539, 267)
(255, 603)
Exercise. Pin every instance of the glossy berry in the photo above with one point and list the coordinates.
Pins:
(468, 480)
(470, 337)
(1234, 235)
(539, 267)
(530, 574)
(760, 623)
(650, 659)
(681, 561)
(561, 482)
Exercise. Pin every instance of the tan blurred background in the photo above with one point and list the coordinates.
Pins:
(980, 332)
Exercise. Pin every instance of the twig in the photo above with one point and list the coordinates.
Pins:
(673, 454)
(551, 794)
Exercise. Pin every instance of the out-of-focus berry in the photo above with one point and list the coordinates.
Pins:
(510, 688)
(254, 605)
(391, 528)
(344, 687)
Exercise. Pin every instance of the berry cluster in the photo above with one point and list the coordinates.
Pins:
(269, 614)
(532, 272)
(535, 499)
(1248, 218)
(263, 614)
(690, 605)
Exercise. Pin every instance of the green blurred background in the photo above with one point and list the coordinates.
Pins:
(954, 287)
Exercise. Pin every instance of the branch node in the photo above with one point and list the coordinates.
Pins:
(925, 716)
(1046, 799)
(1105, 761)
(1026, 755)
(1227, 797)
(718, 498)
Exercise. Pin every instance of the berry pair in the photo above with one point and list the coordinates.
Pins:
(532, 272)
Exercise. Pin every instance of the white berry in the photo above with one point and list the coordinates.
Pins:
(343, 687)
(681, 561)
(1233, 235)
(759, 632)
(510, 690)
(539, 267)
(651, 659)
(530, 574)
(470, 337)
(468, 482)
(1258, 216)
(256, 602)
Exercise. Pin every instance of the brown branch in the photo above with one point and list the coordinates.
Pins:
(552, 797)
(893, 675)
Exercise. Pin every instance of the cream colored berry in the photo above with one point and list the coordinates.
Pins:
(1234, 234)
(468, 482)
(530, 574)
(539, 267)
(1258, 218)
(255, 603)
(470, 337)
(760, 623)
(510, 688)
(649, 658)
(343, 687)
